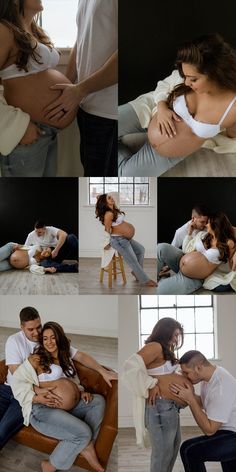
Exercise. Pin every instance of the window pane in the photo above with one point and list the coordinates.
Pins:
(126, 180)
(204, 320)
(141, 194)
(205, 344)
(189, 344)
(167, 300)
(95, 190)
(143, 339)
(113, 180)
(111, 188)
(203, 300)
(126, 194)
(148, 301)
(185, 300)
(186, 317)
(170, 313)
(141, 180)
(59, 21)
(95, 180)
(148, 320)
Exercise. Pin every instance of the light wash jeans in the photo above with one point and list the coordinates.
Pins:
(162, 423)
(133, 254)
(33, 160)
(177, 284)
(5, 252)
(74, 429)
(146, 162)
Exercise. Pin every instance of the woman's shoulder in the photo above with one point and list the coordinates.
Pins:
(6, 32)
(108, 215)
(231, 243)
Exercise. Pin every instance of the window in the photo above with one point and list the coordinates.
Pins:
(194, 312)
(131, 190)
(59, 21)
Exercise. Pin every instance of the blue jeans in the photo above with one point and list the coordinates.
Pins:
(74, 429)
(133, 254)
(5, 252)
(177, 284)
(162, 423)
(220, 447)
(69, 250)
(33, 160)
(98, 148)
(146, 162)
(11, 419)
(49, 262)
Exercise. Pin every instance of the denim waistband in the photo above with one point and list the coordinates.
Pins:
(47, 127)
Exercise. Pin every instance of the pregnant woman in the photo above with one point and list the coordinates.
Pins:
(203, 255)
(121, 237)
(193, 105)
(76, 416)
(149, 374)
(27, 70)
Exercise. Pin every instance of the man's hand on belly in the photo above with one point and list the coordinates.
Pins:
(32, 134)
(71, 97)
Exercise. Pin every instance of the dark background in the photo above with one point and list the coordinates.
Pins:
(24, 200)
(177, 196)
(151, 31)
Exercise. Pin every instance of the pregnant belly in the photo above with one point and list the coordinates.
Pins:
(124, 229)
(196, 266)
(184, 143)
(66, 389)
(164, 382)
(32, 94)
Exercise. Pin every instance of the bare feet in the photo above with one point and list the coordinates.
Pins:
(90, 455)
(132, 272)
(50, 269)
(151, 283)
(47, 467)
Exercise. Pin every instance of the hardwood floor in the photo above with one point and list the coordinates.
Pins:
(133, 459)
(89, 279)
(17, 458)
(23, 282)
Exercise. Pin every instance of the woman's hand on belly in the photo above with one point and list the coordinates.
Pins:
(165, 120)
(32, 134)
(86, 397)
(184, 143)
(70, 98)
(153, 394)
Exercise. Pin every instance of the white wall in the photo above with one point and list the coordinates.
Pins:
(129, 343)
(143, 219)
(95, 316)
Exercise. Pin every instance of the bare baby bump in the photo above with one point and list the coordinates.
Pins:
(66, 389)
(124, 229)
(32, 94)
(196, 266)
(164, 382)
(184, 143)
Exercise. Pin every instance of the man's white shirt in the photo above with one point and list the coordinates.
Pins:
(47, 239)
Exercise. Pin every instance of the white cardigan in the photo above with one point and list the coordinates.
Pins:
(23, 380)
(145, 107)
(13, 125)
(137, 380)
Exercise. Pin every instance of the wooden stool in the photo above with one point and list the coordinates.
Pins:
(114, 268)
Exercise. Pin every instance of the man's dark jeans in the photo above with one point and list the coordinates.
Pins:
(11, 419)
(99, 145)
(69, 250)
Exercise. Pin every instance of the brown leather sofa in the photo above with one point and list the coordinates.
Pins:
(93, 383)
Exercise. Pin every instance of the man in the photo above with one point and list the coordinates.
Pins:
(65, 246)
(94, 61)
(199, 218)
(214, 411)
(18, 348)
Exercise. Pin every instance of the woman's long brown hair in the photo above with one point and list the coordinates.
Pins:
(10, 16)
(102, 207)
(63, 346)
(212, 56)
(223, 231)
(162, 333)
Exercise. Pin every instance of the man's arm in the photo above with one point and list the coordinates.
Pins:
(61, 237)
(71, 71)
(73, 94)
(90, 362)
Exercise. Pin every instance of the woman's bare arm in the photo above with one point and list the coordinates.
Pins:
(6, 44)
(108, 221)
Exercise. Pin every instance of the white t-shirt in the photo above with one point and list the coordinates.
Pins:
(18, 348)
(48, 239)
(97, 40)
(219, 398)
(180, 234)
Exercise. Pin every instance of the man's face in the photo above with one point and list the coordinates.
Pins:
(193, 374)
(40, 231)
(32, 329)
(199, 221)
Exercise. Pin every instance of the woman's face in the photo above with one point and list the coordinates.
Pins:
(174, 342)
(34, 6)
(209, 228)
(110, 201)
(49, 341)
(199, 83)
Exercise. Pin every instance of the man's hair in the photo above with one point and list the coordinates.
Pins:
(193, 358)
(201, 210)
(40, 224)
(28, 314)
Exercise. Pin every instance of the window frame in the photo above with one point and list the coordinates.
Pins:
(119, 184)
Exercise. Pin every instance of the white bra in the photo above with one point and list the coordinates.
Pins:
(49, 59)
(212, 254)
(164, 369)
(55, 374)
(119, 220)
(203, 130)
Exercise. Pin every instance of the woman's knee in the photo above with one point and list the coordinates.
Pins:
(162, 249)
(99, 403)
